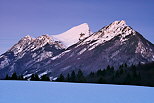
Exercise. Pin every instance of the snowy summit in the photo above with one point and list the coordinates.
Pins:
(73, 35)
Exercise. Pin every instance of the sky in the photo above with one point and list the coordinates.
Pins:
(19, 18)
(52, 92)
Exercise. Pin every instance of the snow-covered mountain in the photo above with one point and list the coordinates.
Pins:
(73, 35)
(77, 48)
(113, 45)
(29, 51)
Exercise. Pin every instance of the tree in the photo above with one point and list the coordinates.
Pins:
(125, 65)
(99, 72)
(101, 80)
(45, 78)
(117, 74)
(14, 76)
(127, 79)
(68, 77)
(37, 77)
(7, 77)
(92, 74)
(108, 68)
(34, 77)
(80, 76)
(73, 76)
(61, 78)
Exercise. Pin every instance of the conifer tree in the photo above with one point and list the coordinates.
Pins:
(36, 77)
(80, 76)
(73, 76)
(7, 77)
(45, 78)
(101, 80)
(68, 77)
(61, 78)
(14, 76)
(92, 74)
(32, 77)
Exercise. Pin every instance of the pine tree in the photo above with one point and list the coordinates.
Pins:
(37, 77)
(80, 76)
(99, 72)
(92, 74)
(108, 68)
(68, 77)
(128, 79)
(45, 78)
(61, 78)
(14, 76)
(32, 77)
(73, 76)
(125, 65)
(7, 77)
(101, 80)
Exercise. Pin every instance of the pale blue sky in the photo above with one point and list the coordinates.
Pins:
(36, 17)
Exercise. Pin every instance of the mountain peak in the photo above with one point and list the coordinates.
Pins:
(27, 37)
(119, 23)
(116, 28)
(73, 35)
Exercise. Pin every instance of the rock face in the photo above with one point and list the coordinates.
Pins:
(113, 45)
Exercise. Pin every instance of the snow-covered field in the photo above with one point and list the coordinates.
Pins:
(52, 92)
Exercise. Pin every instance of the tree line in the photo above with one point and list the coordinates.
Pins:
(33, 77)
(141, 74)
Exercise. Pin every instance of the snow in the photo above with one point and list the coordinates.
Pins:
(82, 51)
(65, 68)
(72, 36)
(140, 49)
(60, 55)
(44, 73)
(43, 56)
(108, 32)
(52, 92)
(28, 75)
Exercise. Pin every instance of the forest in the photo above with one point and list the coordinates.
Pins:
(141, 74)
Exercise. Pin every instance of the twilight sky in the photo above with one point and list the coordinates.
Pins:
(19, 18)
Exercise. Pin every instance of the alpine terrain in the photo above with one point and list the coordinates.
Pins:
(77, 48)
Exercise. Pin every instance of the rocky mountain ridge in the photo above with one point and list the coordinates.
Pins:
(113, 45)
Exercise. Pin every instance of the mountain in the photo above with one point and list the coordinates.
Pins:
(76, 49)
(28, 51)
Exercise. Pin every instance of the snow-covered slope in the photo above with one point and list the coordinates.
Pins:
(108, 32)
(51, 92)
(73, 35)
